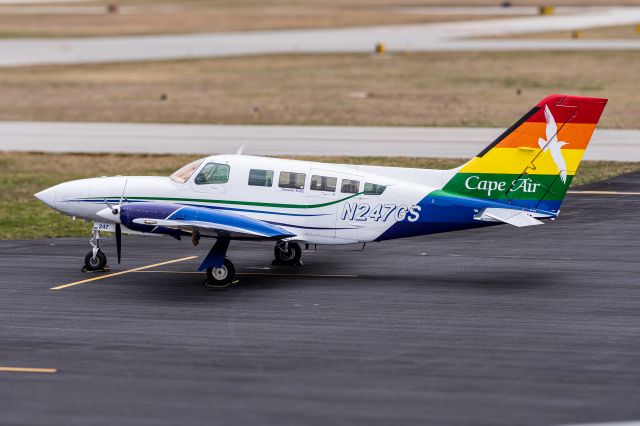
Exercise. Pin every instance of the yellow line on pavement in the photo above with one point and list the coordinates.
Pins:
(28, 370)
(603, 193)
(101, 277)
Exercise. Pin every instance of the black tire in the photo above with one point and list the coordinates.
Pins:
(291, 256)
(97, 263)
(221, 277)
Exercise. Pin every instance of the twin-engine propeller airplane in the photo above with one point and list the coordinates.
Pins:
(519, 179)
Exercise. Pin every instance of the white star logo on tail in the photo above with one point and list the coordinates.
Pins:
(553, 145)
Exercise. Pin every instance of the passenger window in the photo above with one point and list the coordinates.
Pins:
(350, 186)
(373, 189)
(291, 180)
(323, 183)
(259, 177)
(213, 173)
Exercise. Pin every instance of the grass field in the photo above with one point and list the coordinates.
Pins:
(419, 89)
(23, 174)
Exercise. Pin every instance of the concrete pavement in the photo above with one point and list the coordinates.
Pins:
(11, 2)
(463, 142)
(449, 36)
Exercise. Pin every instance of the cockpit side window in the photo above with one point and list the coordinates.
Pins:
(259, 177)
(213, 173)
(185, 172)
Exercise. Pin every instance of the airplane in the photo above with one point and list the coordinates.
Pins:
(519, 179)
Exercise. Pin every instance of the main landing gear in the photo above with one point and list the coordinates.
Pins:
(220, 270)
(220, 278)
(287, 253)
(95, 260)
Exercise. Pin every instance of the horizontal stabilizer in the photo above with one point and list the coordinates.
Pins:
(513, 217)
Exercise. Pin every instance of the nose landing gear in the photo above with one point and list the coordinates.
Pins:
(287, 253)
(95, 260)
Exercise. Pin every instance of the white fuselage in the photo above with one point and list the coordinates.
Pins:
(335, 211)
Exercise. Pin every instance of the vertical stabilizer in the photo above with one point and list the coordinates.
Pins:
(532, 163)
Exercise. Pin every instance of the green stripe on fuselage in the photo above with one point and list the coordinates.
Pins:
(232, 202)
(508, 186)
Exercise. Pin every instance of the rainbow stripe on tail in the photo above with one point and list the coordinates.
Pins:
(532, 163)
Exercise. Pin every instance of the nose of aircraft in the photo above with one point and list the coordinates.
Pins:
(48, 196)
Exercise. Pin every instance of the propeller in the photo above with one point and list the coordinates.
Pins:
(115, 211)
(118, 226)
(119, 241)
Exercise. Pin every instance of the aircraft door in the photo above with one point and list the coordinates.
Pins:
(350, 192)
(323, 194)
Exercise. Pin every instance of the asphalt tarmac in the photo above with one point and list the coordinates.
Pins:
(498, 326)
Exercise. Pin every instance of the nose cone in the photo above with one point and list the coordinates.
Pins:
(48, 196)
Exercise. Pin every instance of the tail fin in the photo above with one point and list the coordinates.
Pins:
(532, 163)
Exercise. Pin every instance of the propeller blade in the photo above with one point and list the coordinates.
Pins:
(119, 241)
(113, 210)
(123, 189)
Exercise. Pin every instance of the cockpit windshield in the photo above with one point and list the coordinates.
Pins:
(184, 173)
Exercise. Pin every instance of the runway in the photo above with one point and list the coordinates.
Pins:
(448, 36)
(499, 326)
(451, 142)
(23, 2)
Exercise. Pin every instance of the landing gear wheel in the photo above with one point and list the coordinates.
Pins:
(95, 263)
(287, 253)
(222, 277)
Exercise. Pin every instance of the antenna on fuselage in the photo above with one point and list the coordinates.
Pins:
(240, 150)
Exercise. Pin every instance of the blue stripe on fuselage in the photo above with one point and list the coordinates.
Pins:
(115, 201)
(130, 212)
(441, 213)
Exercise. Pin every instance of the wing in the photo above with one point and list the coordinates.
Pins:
(542, 144)
(215, 229)
(209, 222)
(558, 158)
(552, 127)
